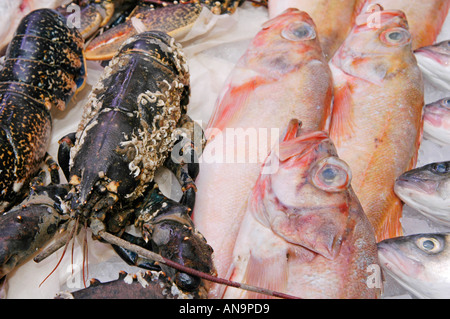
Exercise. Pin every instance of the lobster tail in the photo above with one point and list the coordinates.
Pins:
(44, 67)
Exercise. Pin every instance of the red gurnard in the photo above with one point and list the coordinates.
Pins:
(282, 75)
(304, 232)
(425, 18)
(377, 113)
(334, 18)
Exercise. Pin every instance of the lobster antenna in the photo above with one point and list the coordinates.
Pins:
(73, 245)
(71, 236)
(85, 254)
(156, 257)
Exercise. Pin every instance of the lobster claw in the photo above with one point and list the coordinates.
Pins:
(31, 225)
(167, 225)
(175, 20)
(91, 17)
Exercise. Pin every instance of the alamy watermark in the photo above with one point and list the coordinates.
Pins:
(74, 16)
(234, 146)
(372, 17)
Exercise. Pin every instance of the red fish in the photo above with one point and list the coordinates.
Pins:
(282, 75)
(334, 18)
(304, 232)
(425, 18)
(377, 113)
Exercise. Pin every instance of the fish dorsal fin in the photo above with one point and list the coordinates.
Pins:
(293, 145)
(291, 130)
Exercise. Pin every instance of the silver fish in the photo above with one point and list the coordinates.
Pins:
(427, 189)
(420, 263)
(436, 121)
(434, 61)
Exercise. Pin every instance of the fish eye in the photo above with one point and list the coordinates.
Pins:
(331, 174)
(396, 36)
(298, 31)
(429, 245)
(440, 168)
(445, 102)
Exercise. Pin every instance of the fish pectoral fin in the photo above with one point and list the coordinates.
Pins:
(342, 120)
(418, 142)
(390, 226)
(268, 271)
(233, 98)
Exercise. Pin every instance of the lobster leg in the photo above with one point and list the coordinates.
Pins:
(65, 144)
(183, 161)
(53, 168)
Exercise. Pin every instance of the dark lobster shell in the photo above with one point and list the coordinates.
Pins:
(129, 119)
(43, 68)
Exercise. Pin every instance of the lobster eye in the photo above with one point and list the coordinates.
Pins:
(396, 36)
(298, 31)
(331, 174)
(429, 245)
(187, 282)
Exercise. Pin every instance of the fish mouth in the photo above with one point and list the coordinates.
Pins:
(313, 230)
(415, 184)
(402, 268)
(395, 261)
(432, 54)
(434, 115)
(415, 194)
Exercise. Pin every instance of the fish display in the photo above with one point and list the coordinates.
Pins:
(378, 133)
(434, 61)
(282, 75)
(419, 262)
(427, 189)
(304, 231)
(425, 18)
(436, 121)
(334, 19)
(274, 219)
